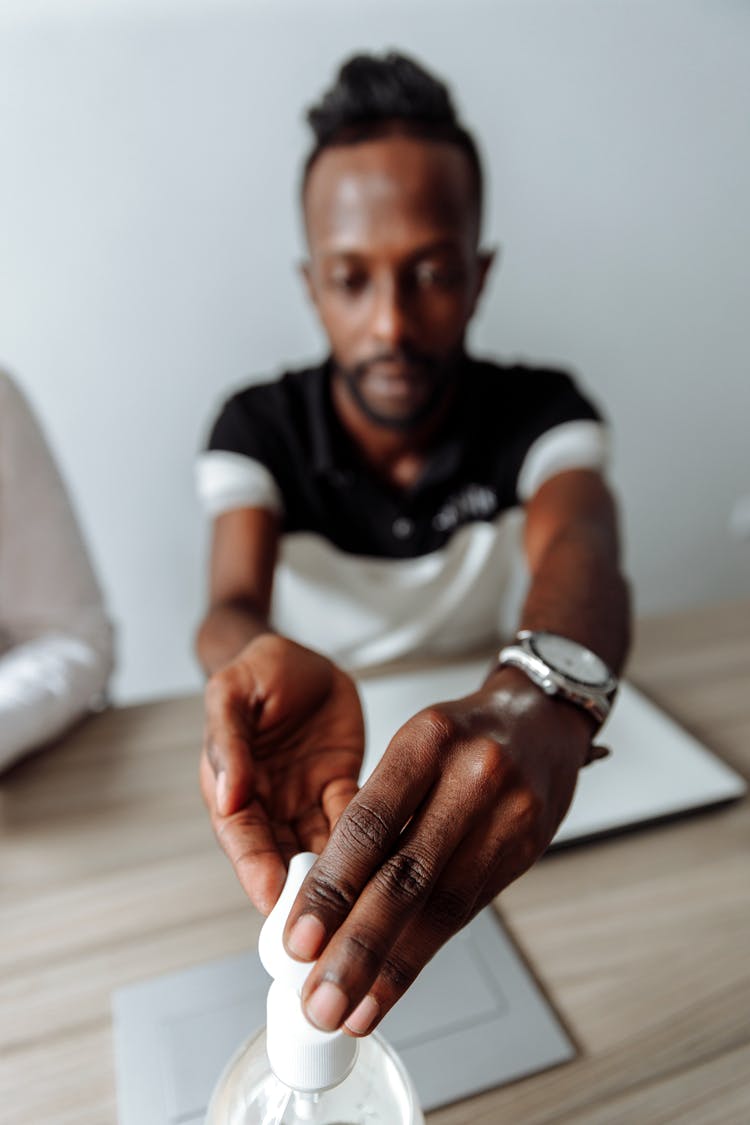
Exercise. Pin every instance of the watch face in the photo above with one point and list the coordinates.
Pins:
(571, 659)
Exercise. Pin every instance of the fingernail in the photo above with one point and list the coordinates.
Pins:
(326, 1006)
(306, 937)
(222, 793)
(364, 1015)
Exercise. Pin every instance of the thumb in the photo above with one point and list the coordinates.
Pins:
(336, 796)
(228, 745)
(233, 772)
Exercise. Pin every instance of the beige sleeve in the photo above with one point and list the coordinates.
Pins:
(54, 629)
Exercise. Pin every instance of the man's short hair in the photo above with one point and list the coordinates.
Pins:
(372, 97)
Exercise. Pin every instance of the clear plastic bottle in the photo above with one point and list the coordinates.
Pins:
(377, 1091)
(289, 1073)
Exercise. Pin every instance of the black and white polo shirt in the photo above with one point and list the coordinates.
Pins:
(367, 573)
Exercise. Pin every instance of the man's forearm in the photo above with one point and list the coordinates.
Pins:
(224, 632)
(573, 550)
(579, 591)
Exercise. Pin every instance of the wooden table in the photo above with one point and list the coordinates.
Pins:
(109, 874)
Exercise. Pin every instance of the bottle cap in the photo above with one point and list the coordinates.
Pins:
(300, 1055)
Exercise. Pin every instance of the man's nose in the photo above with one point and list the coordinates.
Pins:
(390, 318)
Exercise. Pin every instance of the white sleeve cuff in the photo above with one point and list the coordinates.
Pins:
(231, 480)
(571, 445)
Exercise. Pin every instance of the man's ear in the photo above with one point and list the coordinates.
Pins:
(485, 260)
(305, 271)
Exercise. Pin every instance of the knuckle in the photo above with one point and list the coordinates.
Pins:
(530, 828)
(361, 948)
(225, 833)
(330, 895)
(449, 910)
(489, 765)
(222, 832)
(230, 830)
(249, 857)
(438, 725)
(397, 973)
(362, 828)
(404, 876)
(528, 807)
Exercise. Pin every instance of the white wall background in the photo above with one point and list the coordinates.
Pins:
(148, 238)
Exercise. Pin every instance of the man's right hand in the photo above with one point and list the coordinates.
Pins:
(282, 751)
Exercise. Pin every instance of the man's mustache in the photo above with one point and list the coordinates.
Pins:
(403, 357)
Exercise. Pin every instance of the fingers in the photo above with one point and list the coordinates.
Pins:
(314, 827)
(500, 847)
(336, 797)
(452, 905)
(258, 850)
(230, 709)
(367, 827)
(417, 944)
(361, 948)
(312, 830)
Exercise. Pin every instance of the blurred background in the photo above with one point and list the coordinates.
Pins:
(149, 241)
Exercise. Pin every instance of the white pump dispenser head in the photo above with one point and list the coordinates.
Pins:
(301, 1057)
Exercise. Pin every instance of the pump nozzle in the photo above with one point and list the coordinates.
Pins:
(300, 1055)
(276, 961)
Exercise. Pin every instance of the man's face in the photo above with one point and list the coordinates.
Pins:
(394, 270)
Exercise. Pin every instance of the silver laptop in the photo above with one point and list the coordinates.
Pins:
(475, 1018)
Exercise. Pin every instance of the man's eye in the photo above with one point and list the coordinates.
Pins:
(441, 277)
(347, 282)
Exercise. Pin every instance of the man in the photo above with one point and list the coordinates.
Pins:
(56, 641)
(383, 498)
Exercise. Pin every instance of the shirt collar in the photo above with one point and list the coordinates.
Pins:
(329, 442)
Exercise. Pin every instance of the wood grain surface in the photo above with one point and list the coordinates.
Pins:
(109, 874)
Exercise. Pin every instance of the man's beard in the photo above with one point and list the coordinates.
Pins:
(441, 376)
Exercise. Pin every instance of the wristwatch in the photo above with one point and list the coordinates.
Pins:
(563, 667)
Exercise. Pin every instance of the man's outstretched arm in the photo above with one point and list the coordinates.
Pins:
(469, 792)
(573, 552)
(284, 733)
(243, 556)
